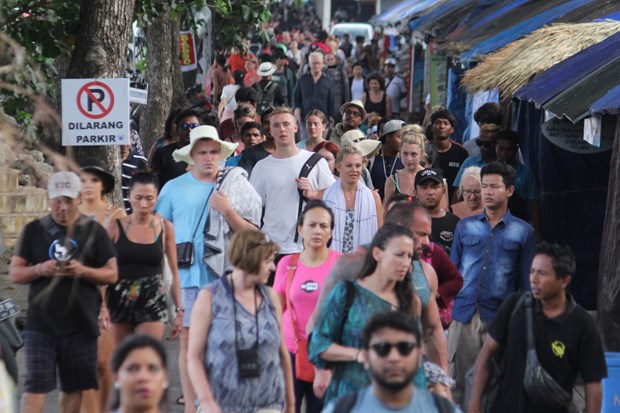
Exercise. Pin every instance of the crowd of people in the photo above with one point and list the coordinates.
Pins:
(293, 245)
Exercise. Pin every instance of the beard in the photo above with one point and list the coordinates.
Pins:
(392, 385)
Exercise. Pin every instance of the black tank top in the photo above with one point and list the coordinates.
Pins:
(138, 260)
(380, 108)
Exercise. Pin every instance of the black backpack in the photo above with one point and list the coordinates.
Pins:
(265, 96)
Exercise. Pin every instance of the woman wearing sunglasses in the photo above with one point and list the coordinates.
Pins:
(384, 284)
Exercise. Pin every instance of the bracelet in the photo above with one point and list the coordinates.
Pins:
(179, 310)
(37, 269)
(357, 355)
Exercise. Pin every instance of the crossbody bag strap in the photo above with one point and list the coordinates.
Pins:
(291, 268)
(202, 213)
(529, 321)
(304, 173)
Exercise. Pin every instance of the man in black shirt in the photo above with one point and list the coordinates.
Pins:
(162, 163)
(430, 190)
(63, 256)
(450, 155)
(566, 339)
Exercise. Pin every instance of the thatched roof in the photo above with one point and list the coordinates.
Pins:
(514, 65)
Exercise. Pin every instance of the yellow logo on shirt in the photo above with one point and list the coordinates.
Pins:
(558, 348)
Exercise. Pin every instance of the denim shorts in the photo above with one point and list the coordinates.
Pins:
(188, 299)
(75, 358)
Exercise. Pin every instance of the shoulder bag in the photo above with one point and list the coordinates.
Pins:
(541, 389)
(185, 250)
(304, 370)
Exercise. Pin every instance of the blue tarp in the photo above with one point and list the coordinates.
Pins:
(547, 85)
(500, 11)
(391, 15)
(573, 197)
(608, 104)
(441, 10)
(522, 29)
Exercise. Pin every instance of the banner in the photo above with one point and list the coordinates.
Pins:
(187, 47)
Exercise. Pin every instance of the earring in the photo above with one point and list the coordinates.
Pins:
(165, 385)
(117, 385)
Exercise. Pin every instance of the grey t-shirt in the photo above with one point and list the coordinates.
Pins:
(421, 402)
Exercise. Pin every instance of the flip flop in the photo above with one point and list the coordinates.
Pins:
(180, 400)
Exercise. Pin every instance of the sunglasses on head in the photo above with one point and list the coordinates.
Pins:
(186, 126)
(404, 348)
(486, 144)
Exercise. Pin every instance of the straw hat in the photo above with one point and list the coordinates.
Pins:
(203, 132)
(357, 139)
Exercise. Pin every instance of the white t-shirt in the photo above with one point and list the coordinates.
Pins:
(228, 92)
(357, 89)
(275, 181)
(394, 89)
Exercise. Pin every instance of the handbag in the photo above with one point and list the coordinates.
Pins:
(540, 387)
(304, 370)
(185, 250)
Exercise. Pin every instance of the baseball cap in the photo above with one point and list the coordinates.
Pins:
(390, 61)
(428, 175)
(64, 184)
(392, 126)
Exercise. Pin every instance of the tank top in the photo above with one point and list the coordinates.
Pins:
(231, 393)
(380, 107)
(420, 283)
(138, 260)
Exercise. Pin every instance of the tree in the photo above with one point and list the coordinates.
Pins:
(100, 52)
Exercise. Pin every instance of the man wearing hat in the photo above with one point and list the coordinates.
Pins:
(388, 163)
(353, 114)
(395, 86)
(206, 200)
(430, 190)
(269, 92)
(63, 257)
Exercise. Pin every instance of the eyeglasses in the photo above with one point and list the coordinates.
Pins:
(468, 192)
(404, 348)
(239, 112)
(190, 126)
(486, 144)
(353, 114)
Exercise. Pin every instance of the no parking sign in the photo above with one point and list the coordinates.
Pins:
(95, 112)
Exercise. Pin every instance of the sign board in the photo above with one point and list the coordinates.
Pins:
(187, 47)
(569, 136)
(95, 112)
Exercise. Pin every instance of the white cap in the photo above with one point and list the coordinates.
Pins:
(64, 184)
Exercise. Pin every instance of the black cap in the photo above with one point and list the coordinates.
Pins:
(428, 175)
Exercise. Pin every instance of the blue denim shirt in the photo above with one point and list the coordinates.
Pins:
(495, 263)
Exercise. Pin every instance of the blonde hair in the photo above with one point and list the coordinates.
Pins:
(348, 150)
(471, 172)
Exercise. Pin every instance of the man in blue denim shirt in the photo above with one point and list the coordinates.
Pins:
(494, 252)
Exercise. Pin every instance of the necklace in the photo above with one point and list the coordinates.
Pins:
(385, 167)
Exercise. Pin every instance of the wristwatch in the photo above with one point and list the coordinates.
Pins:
(179, 310)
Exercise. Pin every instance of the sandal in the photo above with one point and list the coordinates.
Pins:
(180, 400)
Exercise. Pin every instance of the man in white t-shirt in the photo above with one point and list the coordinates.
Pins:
(275, 178)
(395, 86)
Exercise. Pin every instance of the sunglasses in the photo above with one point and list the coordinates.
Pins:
(190, 126)
(353, 114)
(404, 348)
(486, 144)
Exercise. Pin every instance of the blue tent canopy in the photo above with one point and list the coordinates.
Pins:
(391, 15)
(513, 33)
(442, 9)
(506, 7)
(608, 104)
(550, 83)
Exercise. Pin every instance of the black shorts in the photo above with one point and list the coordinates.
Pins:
(137, 301)
(75, 357)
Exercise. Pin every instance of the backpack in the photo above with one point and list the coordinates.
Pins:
(346, 403)
(265, 96)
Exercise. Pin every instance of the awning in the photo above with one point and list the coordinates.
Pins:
(403, 11)
(608, 104)
(574, 103)
(515, 32)
(562, 76)
(450, 12)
